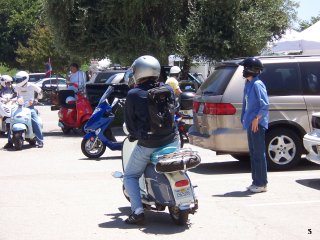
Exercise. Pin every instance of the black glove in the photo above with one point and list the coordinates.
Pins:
(131, 138)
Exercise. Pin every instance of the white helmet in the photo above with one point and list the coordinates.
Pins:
(175, 70)
(5, 79)
(22, 77)
(144, 67)
(70, 100)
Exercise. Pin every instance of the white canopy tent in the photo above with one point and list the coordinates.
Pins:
(307, 41)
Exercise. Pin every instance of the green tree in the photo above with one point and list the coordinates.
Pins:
(18, 18)
(211, 29)
(37, 51)
(305, 24)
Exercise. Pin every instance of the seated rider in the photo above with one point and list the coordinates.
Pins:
(28, 91)
(174, 76)
(77, 79)
(6, 88)
(146, 71)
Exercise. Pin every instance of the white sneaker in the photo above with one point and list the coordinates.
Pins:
(256, 189)
(248, 188)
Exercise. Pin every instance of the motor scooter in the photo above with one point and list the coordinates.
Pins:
(165, 182)
(7, 104)
(73, 115)
(21, 125)
(98, 132)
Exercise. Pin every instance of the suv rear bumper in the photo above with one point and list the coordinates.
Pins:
(223, 140)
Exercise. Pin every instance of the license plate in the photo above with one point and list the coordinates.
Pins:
(201, 107)
(183, 193)
(187, 112)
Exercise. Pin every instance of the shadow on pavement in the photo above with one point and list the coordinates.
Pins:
(235, 194)
(231, 167)
(102, 158)
(25, 146)
(60, 133)
(222, 168)
(155, 222)
(311, 183)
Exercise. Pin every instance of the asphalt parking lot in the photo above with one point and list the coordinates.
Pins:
(57, 193)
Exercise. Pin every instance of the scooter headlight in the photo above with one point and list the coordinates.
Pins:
(98, 131)
(96, 110)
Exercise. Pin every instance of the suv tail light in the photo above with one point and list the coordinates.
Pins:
(214, 108)
(195, 106)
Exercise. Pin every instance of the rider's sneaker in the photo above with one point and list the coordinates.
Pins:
(40, 145)
(8, 145)
(135, 218)
(257, 189)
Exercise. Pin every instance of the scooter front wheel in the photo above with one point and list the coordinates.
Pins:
(92, 149)
(179, 217)
(17, 140)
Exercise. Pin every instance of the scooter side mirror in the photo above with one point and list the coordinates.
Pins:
(115, 101)
(117, 174)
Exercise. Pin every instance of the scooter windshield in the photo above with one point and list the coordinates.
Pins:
(106, 94)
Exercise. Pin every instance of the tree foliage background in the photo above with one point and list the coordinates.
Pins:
(17, 19)
(26, 42)
(124, 30)
(31, 31)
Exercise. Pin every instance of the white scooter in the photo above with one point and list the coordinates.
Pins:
(165, 182)
(7, 104)
(21, 125)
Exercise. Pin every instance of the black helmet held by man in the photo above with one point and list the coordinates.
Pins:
(252, 67)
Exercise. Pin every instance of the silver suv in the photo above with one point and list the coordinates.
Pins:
(293, 85)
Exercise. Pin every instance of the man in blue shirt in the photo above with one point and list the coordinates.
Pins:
(254, 118)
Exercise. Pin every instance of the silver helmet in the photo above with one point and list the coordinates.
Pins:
(145, 67)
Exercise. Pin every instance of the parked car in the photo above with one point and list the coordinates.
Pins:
(52, 84)
(99, 83)
(191, 84)
(293, 85)
(311, 141)
(35, 77)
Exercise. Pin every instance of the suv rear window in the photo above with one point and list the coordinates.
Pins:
(310, 76)
(281, 79)
(217, 82)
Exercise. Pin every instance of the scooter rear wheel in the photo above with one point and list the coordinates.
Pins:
(179, 217)
(90, 151)
(66, 130)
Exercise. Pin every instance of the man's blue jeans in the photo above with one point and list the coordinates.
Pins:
(35, 125)
(138, 161)
(257, 148)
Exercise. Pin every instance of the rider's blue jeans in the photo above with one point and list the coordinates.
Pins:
(138, 161)
(35, 125)
(257, 148)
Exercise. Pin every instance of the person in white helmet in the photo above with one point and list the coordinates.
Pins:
(6, 88)
(174, 76)
(6, 85)
(28, 91)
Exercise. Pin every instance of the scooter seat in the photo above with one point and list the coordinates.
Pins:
(178, 161)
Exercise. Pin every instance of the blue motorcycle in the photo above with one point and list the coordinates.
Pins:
(98, 132)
